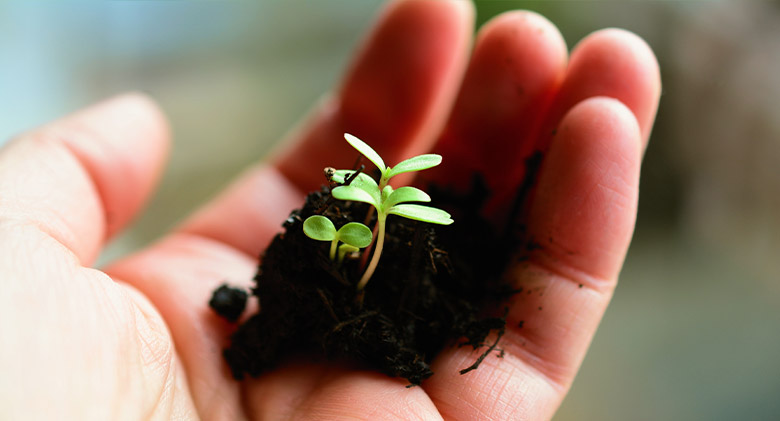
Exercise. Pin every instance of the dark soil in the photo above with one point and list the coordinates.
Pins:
(428, 292)
(228, 302)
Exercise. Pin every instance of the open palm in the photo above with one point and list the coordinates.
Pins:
(138, 340)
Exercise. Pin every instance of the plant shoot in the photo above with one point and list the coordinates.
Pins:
(384, 198)
(354, 235)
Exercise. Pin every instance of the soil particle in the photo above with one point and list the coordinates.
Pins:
(228, 302)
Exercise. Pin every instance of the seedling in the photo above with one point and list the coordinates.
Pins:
(385, 200)
(344, 249)
(354, 235)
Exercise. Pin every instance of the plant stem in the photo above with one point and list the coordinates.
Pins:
(380, 242)
(367, 251)
(333, 245)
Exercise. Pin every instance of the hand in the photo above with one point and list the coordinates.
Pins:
(138, 340)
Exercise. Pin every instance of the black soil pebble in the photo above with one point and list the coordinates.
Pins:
(228, 302)
(428, 292)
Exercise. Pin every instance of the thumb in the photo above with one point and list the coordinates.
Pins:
(82, 178)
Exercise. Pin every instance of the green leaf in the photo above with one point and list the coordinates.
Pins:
(363, 181)
(406, 194)
(320, 228)
(366, 150)
(341, 176)
(422, 213)
(344, 249)
(355, 194)
(386, 192)
(417, 163)
(355, 234)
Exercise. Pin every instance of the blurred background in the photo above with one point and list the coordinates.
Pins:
(693, 332)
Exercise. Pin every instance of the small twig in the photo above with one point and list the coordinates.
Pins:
(485, 354)
(354, 175)
(499, 334)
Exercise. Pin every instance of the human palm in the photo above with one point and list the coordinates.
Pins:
(138, 341)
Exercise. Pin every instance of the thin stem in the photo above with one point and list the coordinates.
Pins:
(382, 182)
(367, 251)
(380, 242)
(342, 253)
(333, 245)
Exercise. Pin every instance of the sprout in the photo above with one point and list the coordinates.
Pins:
(343, 250)
(354, 235)
(387, 201)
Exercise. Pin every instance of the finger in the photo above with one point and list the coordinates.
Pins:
(82, 178)
(300, 391)
(178, 275)
(582, 218)
(613, 63)
(316, 392)
(219, 244)
(249, 212)
(517, 66)
(584, 209)
(396, 93)
(64, 189)
(423, 40)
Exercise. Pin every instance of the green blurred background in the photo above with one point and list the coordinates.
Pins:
(693, 332)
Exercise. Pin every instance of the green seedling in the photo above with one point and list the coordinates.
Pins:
(354, 235)
(384, 198)
(344, 249)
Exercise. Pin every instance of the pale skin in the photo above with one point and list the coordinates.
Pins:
(136, 340)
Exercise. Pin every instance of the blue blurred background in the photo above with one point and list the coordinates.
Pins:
(694, 330)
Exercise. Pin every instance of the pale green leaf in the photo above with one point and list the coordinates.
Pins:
(320, 228)
(355, 194)
(406, 194)
(341, 176)
(344, 249)
(363, 181)
(422, 213)
(366, 150)
(417, 163)
(386, 192)
(355, 234)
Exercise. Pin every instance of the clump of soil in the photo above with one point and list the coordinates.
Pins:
(228, 302)
(428, 292)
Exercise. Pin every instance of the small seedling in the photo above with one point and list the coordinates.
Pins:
(354, 235)
(385, 200)
(344, 249)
